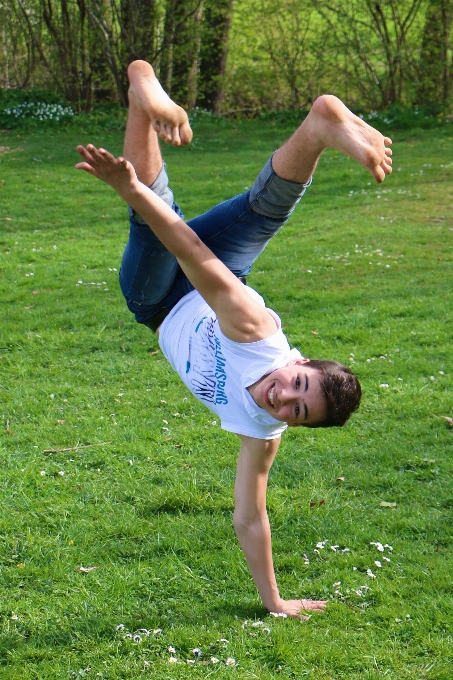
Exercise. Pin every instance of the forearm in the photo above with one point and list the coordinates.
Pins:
(255, 541)
(196, 260)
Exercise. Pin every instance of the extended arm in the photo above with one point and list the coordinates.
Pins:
(252, 524)
(240, 317)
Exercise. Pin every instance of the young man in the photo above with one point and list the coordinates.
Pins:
(185, 283)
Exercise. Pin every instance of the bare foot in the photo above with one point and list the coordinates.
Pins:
(168, 119)
(338, 128)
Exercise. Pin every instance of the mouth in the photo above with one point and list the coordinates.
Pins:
(270, 396)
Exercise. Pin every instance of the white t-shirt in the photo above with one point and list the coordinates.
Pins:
(218, 370)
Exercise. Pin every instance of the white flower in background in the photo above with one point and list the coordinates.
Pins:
(137, 638)
(370, 573)
(197, 652)
(173, 659)
(230, 661)
(214, 659)
(156, 631)
(120, 626)
(171, 649)
(377, 563)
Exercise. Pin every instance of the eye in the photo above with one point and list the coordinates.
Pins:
(297, 383)
(297, 410)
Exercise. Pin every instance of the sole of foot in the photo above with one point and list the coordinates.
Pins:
(340, 129)
(169, 120)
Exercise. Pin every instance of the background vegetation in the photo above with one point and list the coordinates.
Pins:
(238, 57)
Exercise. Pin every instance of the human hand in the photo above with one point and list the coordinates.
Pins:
(293, 608)
(117, 172)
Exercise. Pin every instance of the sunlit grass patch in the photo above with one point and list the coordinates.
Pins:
(117, 486)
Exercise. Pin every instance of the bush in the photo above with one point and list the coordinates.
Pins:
(19, 108)
(38, 108)
(406, 117)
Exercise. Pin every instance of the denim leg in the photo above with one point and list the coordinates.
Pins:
(148, 270)
(237, 231)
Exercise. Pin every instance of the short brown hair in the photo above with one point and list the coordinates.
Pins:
(341, 390)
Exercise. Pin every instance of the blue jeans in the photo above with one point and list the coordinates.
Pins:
(236, 231)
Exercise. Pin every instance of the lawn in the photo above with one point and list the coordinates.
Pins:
(116, 485)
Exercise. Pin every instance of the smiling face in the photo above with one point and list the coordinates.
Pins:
(292, 394)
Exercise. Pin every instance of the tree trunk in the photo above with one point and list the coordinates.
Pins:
(166, 63)
(180, 49)
(192, 75)
(434, 57)
(214, 52)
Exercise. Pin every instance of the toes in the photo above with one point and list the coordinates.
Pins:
(379, 174)
(165, 133)
(176, 139)
(168, 134)
(186, 133)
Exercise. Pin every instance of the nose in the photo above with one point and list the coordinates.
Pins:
(286, 396)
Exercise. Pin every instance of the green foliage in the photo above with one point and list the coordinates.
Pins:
(360, 273)
(32, 108)
(278, 55)
(407, 117)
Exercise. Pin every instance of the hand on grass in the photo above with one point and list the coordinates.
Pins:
(117, 172)
(293, 608)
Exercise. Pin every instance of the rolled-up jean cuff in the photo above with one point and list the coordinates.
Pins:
(273, 196)
(160, 188)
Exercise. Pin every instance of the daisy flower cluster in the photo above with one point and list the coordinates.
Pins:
(154, 642)
(383, 549)
(39, 111)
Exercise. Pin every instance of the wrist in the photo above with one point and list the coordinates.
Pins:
(274, 604)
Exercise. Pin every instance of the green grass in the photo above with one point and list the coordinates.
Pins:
(151, 508)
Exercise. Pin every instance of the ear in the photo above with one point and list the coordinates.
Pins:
(299, 362)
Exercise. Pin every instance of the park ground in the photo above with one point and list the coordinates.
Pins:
(118, 556)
